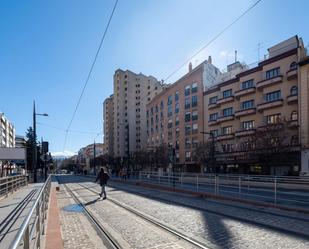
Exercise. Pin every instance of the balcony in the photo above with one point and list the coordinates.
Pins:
(225, 118)
(225, 137)
(212, 122)
(245, 112)
(291, 74)
(292, 124)
(269, 82)
(292, 98)
(242, 92)
(243, 133)
(225, 100)
(267, 105)
(212, 105)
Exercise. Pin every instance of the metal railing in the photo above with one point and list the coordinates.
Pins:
(283, 190)
(12, 183)
(33, 227)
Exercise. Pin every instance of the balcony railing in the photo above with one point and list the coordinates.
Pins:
(225, 100)
(243, 133)
(212, 105)
(268, 82)
(293, 124)
(292, 98)
(244, 91)
(225, 137)
(291, 74)
(271, 104)
(225, 118)
(245, 112)
(212, 122)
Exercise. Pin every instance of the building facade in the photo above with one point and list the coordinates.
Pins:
(132, 92)
(20, 141)
(7, 132)
(272, 97)
(108, 123)
(175, 116)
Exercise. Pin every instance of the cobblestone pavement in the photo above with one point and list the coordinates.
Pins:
(76, 230)
(219, 230)
(132, 231)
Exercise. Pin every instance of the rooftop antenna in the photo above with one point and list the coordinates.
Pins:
(259, 48)
(235, 55)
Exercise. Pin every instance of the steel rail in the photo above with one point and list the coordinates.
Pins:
(106, 236)
(154, 222)
(23, 235)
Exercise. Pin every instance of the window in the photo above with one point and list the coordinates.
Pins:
(247, 84)
(227, 93)
(177, 108)
(169, 110)
(227, 130)
(177, 132)
(273, 96)
(273, 119)
(177, 120)
(228, 112)
(187, 143)
(147, 113)
(248, 125)
(294, 115)
(188, 129)
(195, 128)
(213, 100)
(194, 87)
(247, 104)
(169, 100)
(170, 135)
(162, 105)
(293, 65)
(187, 116)
(188, 155)
(272, 73)
(227, 147)
(294, 140)
(170, 123)
(176, 96)
(157, 109)
(187, 90)
(194, 142)
(194, 115)
(194, 101)
(187, 103)
(293, 90)
(177, 145)
(214, 132)
(213, 116)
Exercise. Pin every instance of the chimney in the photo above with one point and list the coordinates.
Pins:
(190, 67)
(209, 59)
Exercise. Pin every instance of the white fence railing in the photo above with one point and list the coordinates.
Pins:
(283, 190)
(33, 227)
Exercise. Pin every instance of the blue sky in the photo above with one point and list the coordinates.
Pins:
(47, 47)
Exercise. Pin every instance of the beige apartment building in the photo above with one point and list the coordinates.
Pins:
(108, 126)
(241, 107)
(132, 92)
(175, 116)
(7, 132)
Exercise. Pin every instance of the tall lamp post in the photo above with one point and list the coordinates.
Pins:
(34, 159)
(213, 162)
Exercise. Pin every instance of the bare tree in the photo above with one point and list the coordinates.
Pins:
(203, 154)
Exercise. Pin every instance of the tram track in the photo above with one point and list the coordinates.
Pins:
(153, 221)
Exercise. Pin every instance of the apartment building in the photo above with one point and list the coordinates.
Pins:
(132, 92)
(175, 116)
(240, 107)
(7, 132)
(108, 123)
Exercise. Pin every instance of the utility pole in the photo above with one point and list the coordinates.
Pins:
(34, 158)
(94, 166)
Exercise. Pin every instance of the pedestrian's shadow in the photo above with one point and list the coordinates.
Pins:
(91, 202)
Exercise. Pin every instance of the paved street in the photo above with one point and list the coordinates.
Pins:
(215, 224)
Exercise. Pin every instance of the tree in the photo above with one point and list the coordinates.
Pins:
(203, 154)
(29, 147)
(160, 156)
(142, 158)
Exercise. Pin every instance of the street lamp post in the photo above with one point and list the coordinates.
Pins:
(213, 162)
(34, 159)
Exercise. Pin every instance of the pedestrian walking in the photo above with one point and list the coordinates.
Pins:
(103, 177)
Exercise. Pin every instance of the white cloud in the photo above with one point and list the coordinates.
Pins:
(65, 153)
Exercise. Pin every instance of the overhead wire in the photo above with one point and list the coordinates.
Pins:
(89, 74)
(212, 40)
